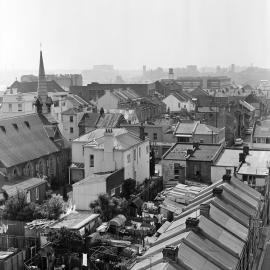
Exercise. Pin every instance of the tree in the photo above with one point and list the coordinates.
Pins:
(152, 162)
(17, 208)
(128, 188)
(52, 208)
(66, 239)
(108, 207)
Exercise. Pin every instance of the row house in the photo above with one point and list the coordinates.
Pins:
(219, 229)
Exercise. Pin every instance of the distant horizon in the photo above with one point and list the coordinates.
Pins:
(76, 35)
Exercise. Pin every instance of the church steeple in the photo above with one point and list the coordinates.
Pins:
(43, 102)
(41, 73)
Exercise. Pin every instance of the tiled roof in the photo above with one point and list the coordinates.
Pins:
(220, 238)
(25, 87)
(26, 185)
(205, 152)
(20, 143)
(123, 139)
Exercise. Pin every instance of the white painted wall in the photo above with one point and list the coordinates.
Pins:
(218, 171)
(84, 194)
(77, 152)
(175, 105)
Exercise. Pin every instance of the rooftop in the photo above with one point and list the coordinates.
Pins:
(25, 185)
(205, 152)
(222, 233)
(75, 220)
(123, 139)
(256, 161)
(24, 138)
(262, 129)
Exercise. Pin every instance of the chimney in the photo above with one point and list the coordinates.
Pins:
(242, 157)
(142, 134)
(205, 209)
(246, 150)
(170, 253)
(109, 163)
(196, 145)
(189, 152)
(226, 178)
(217, 191)
(192, 224)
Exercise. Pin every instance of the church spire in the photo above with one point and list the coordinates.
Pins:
(41, 73)
(43, 102)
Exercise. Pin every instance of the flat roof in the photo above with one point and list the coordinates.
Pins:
(75, 220)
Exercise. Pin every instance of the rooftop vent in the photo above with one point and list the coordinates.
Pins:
(170, 253)
(217, 191)
(226, 178)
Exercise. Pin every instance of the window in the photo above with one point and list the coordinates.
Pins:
(71, 119)
(91, 160)
(146, 134)
(139, 151)
(19, 107)
(179, 105)
(28, 197)
(128, 158)
(182, 139)
(134, 154)
(37, 193)
(10, 107)
(112, 191)
(155, 136)
(71, 130)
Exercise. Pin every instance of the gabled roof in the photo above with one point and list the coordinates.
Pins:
(221, 236)
(70, 111)
(89, 120)
(198, 92)
(11, 189)
(26, 87)
(123, 139)
(211, 101)
(23, 138)
(77, 101)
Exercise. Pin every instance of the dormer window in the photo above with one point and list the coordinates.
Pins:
(15, 126)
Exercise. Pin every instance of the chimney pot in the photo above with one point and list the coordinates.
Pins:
(226, 178)
(217, 191)
(192, 223)
(205, 209)
(242, 157)
(246, 150)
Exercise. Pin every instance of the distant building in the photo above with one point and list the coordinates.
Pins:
(64, 80)
(215, 82)
(178, 101)
(108, 150)
(261, 133)
(94, 91)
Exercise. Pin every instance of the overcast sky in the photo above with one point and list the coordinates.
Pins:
(77, 34)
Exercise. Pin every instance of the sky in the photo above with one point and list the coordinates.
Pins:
(77, 34)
